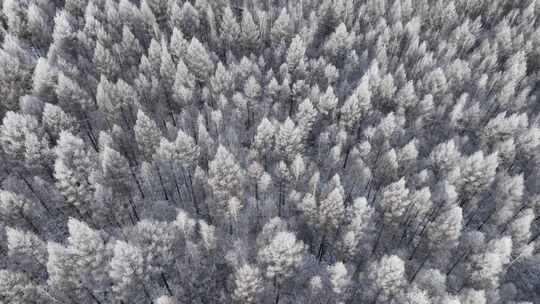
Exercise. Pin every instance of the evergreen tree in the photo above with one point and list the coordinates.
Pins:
(225, 175)
(282, 27)
(357, 104)
(73, 170)
(126, 272)
(16, 287)
(282, 257)
(250, 35)
(248, 284)
(331, 151)
(230, 29)
(27, 250)
(386, 277)
(288, 139)
(147, 134)
(198, 60)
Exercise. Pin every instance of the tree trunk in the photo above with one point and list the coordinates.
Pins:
(131, 219)
(379, 235)
(124, 117)
(27, 183)
(279, 199)
(422, 238)
(193, 196)
(419, 268)
(166, 284)
(90, 132)
(30, 223)
(347, 153)
(177, 187)
(137, 182)
(92, 295)
(133, 207)
(320, 253)
(161, 183)
(461, 258)
(276, 284)
(487, 218)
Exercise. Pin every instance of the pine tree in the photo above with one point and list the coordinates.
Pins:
(178, 45)
(55, 120)
(446, 229)
(167, 69)
(248, 284)
(129, 47)
(198, 60)
(328, 102)
(252, 92)
(115, 171)
(222, 80)
(230, 29)
(17, 288)
(296, 55)
(185, 152)
(444, 157)
(183, 86)
(71, 96)
(105, 62)
(15, 71)
(73, 172)
(62, 272)
(250, 32)
(225, 175)
(359, 230)
(80, 269)
(357, 104)
(394, 201)
(288, 139)
(156, 242)
(189, 19)
(486, 267)
(13, 132)
(339, 280)
(477, 172)
(332, 208)
(398, 140)
(282, 27)
(27, 250)
(306, 117)
(386, 277)
(147, 134)
(44, 80)
(127, 273)
(338, 44)
(264, 138)
(281, 257)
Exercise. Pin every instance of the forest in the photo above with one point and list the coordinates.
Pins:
(269, 152)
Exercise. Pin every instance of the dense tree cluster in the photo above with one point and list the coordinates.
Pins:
(270, 151)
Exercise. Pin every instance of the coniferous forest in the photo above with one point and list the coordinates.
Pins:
(270, 152)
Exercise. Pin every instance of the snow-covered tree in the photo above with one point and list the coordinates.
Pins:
(386, 277)
(248, 284)
(331, 151)
(16, 287)
(147, 134)
(225, 175)
(127, 273)
(73, 172)
(281, 257)
(198, 60)
(26, 250)
(288, 139)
